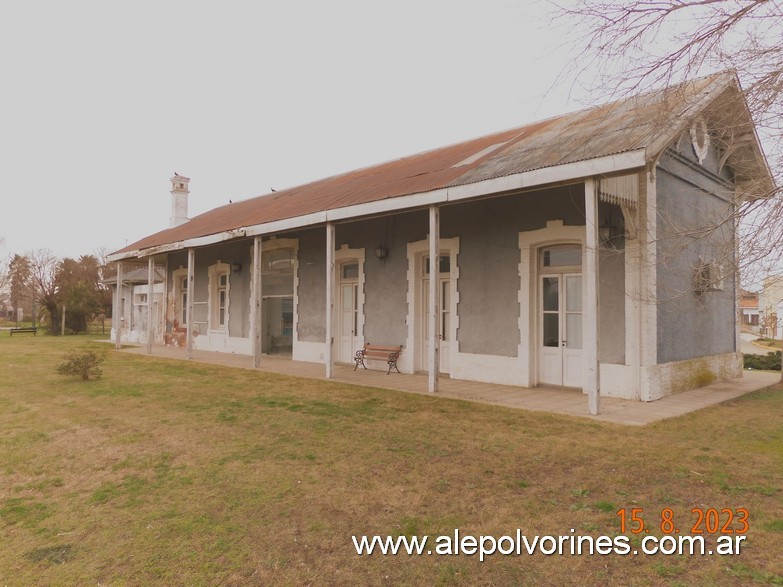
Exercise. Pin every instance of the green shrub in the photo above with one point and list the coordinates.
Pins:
(84, 364)
(768, 362)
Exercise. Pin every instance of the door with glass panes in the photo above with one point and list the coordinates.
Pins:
(444, 315)
(348, 311)
(560, 323)
(277, 301)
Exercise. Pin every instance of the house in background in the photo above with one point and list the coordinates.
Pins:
(771, 307)
(561, 253)
(749, 310)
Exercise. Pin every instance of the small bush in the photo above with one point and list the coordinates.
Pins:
(768, 362)
(84, 364)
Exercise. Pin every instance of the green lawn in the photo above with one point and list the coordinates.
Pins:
(172, 473)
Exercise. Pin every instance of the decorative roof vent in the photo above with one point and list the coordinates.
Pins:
(700, 138)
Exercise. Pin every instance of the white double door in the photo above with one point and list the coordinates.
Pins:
(560, 329)
(348, 317)
(443, 325)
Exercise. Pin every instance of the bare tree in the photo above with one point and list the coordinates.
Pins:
(4, 261)
(643, 44)
(43, 283)
(19, 282)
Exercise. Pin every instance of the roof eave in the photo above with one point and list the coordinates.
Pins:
(619, 162)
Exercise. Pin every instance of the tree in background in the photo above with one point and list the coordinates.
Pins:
(53, 283)
(643, 44)
(3, 266)
(43, 285)
(105, 270)
(78, 285)
(19, 282)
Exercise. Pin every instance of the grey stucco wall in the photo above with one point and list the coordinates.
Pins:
(691, 198)
(386, 283)
(386, 288)
(239, 284)
(489, 261)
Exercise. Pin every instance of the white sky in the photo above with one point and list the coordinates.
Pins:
(102, 101)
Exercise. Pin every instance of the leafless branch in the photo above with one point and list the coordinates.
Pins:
(656, 43)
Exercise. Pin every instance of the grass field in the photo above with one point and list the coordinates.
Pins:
(172, 473)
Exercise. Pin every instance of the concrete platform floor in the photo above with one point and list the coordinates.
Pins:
(546, 399)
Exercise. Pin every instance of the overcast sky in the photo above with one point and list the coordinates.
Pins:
(102, 101)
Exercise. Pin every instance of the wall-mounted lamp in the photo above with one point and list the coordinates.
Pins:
(381, 252)
(236, 266)
(609, 235)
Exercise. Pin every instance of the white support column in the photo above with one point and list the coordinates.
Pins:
(735, 266)
(328, 359)
(118, 310)
(633, 295)
(163, 308)
(434, 301)
(633, 268)
(150, 287)
(648, 287)
(189, 307)
(592, 371)
(255, 307)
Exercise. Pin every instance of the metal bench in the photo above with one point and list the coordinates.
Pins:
(23, 330)
(377, 352)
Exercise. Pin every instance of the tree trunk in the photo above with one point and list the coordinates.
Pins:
(54, 316)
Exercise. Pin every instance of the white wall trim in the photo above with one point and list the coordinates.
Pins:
(310, 352)
(618, 381)
(487, 369)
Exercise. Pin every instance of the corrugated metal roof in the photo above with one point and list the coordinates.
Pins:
(619, 127)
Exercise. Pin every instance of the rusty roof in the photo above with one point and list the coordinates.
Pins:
(622, 126)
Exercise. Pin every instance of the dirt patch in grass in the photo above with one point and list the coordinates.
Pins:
(168, 473)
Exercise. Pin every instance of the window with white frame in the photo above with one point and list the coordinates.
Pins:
(218, 296)
(180, 278)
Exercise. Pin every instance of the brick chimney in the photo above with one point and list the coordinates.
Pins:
(179, 200)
